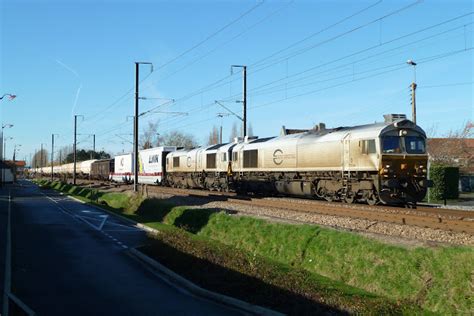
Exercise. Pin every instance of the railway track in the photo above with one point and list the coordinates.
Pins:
(427, 217)
(445, 219)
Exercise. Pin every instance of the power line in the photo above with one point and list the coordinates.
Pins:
(258, 89)
(212, 35)
(420, 61)
(446, 85)
(221, 82)
(220, 30)
(375, 47)
(228, 41)
(291, 55)
(316, 33)
(241, 16)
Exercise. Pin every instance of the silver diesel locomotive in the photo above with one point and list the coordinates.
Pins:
(374, 163)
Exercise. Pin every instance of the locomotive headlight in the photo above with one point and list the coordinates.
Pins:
(385, 170)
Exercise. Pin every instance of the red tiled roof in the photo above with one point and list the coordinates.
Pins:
(18, 163)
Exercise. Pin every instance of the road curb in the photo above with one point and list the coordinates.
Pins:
(175, 279)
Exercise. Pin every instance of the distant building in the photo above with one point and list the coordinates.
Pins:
(6, 173)
(17, 167)
(457, 152)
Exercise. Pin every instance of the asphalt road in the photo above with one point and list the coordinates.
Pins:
(3, 229)
(62, 265)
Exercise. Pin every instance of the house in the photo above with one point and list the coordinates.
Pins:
(6, 173)
(455, 152)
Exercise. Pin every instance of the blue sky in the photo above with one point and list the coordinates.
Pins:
(77, 57)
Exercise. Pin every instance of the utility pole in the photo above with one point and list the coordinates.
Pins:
(52, 157)
(75, 149)
(220, 135)
(221, 115)
(93, 145)
(413, 91)
(135, 124)
(244, 99)
(413, 102)
(135, 130)
(41, 158)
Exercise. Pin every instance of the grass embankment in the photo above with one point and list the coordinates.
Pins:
(313, 263)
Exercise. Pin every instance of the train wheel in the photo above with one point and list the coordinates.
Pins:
(349, 199)
(371, 200)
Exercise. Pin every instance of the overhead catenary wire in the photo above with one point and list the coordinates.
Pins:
(400, 66)
(223, 81)
(446, 85)
(317, 33)
(258, 89)
(241, 16)
(245, 13)
(358, 12)
(333, 38)
(372, 48)
(228, 41)
(207, 38)
(420, 61)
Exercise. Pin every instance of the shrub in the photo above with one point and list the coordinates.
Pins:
(445, 182)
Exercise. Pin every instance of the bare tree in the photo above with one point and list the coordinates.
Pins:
(453, 149)
(233, 132)
(178, 139)
(213, 136)
(40, 159)
(149, 135)
(250, 130)
(62, 153)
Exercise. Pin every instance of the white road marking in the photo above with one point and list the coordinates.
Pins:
(85, 219)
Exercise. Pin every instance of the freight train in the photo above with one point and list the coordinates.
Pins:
(375, 163)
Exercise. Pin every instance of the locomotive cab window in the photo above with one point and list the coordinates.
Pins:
(251, 158)
(391, 144)
(235, 156)
(367, 146)
(224, 157)
(175, 162)
(414, 145)
(211, 161)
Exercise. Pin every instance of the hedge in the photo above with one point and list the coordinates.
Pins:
(445, 182)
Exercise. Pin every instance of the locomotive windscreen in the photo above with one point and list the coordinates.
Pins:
(391, 144)
(414, 145)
